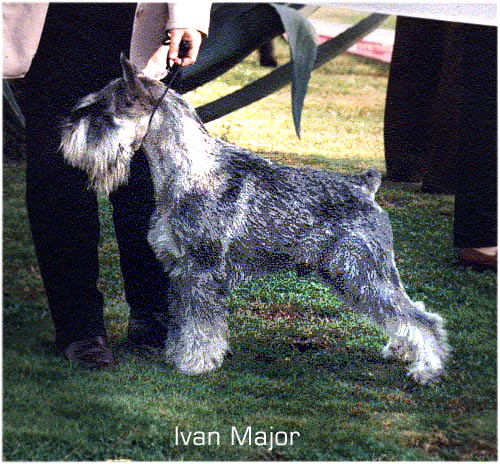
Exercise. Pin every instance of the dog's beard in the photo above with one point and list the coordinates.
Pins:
(103, 152)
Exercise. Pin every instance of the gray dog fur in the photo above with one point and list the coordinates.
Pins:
(224, 215)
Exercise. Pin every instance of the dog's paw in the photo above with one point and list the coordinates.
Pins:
(424, 373)
(399, 349)
(203, 357)
(428, 366)
(425, 370)
(199, 349)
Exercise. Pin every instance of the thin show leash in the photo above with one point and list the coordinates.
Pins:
(169, 79)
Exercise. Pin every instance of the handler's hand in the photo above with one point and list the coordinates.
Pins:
(192, 37)
(157, 64)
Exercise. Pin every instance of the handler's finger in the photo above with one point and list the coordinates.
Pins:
(192, 38)
(194, 43)
(175, 42)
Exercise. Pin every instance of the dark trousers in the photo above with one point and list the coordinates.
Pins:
(425, 116)
(476, 195)
(78, 54)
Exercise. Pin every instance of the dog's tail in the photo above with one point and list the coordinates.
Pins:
(372, 180)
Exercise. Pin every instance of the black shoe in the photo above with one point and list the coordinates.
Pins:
(91, 353)
(146, 332)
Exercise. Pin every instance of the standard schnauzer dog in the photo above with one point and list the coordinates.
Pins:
(224, 215)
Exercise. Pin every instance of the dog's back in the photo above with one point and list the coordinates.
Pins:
(309, 188)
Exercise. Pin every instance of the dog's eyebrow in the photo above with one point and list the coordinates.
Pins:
(86, 101)
(92, 98)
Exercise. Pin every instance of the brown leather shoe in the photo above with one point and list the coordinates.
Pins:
(476, 258)
(91, 353)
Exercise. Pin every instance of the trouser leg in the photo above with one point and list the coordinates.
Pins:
(146, 285)
(413, 82)
(476, 196)
(64, 223)
(78, 54)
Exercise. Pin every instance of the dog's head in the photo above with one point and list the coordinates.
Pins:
(105, 128)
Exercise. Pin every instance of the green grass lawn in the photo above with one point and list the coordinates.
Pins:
(301, 361)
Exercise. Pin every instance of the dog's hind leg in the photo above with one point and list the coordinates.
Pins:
(420, 338)
(198, 334)
(365, 276)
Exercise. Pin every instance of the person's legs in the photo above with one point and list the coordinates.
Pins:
(69, 64)
(146, 285)
(476, 197)
(65, 229)
(413, 82)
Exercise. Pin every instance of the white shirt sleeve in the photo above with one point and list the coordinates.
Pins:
(189, 15)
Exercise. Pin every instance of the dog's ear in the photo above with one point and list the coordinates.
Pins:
(130, 76)
(129, 70)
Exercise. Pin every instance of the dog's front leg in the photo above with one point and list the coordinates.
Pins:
(162, 240)
(198, 338)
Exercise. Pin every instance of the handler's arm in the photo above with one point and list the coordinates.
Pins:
(184, 23)
(188, 24)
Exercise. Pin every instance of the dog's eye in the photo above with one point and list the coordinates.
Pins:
(109, 118)
(125, 102)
